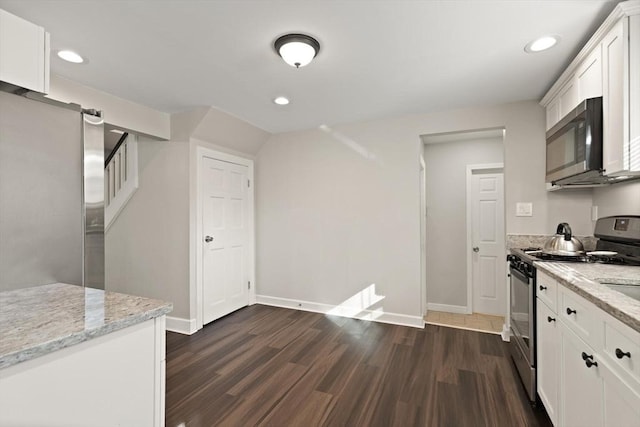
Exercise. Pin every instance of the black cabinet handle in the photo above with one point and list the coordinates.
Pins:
(569, 311)
(550, 319)
(590, 363)
(543, 288)
(620, 354)
(586, 356)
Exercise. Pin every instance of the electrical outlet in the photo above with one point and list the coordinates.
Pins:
(524, 209)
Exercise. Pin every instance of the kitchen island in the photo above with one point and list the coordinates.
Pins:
(79, 356)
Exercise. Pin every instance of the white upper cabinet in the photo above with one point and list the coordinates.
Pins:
(553, 112)
(607, 66)
(613, 101)
(589, 75)
(621, 97)
(24, 53)
(569, 97)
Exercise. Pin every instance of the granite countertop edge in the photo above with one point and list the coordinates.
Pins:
(623, 308)
(67, 340)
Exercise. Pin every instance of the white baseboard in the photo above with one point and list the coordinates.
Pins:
(181, 326)
(506, 334)
(460, 309)
(354, 313)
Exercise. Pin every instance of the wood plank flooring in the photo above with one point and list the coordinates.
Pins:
(276, 367)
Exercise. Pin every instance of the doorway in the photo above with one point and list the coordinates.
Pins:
(446, 235)
(224, 234)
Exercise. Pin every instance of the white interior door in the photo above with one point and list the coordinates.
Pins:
(225, 237)
(487, 237)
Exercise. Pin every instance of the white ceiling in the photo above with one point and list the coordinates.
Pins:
(378, 58)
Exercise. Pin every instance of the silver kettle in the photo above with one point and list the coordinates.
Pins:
(563, 243)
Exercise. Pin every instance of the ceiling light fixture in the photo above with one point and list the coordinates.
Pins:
(70, 56)
(297, 50)
(281, 100)
(542, 43)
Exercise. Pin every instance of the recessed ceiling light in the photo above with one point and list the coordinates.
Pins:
(281, 100)
(70, 56)
(542, 43)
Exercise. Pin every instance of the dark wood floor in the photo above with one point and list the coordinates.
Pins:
(277, 367)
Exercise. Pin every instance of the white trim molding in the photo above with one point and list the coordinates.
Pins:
(342, 311)
(459, 309)
(181, 326)
(506, 334)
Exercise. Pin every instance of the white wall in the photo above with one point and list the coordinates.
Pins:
(150, 248)
(147, 247)
(116, 111)
(338, 210)
(446, 223)
(618, 199)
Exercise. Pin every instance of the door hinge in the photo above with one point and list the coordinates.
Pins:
(249, 284)
(248, 183)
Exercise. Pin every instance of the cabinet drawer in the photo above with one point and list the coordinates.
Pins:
(547, 290)
(622, 347)
(579, 315)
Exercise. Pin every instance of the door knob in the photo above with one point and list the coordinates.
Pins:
(476, 249)
(208, 239)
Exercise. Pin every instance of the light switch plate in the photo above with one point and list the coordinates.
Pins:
(524, 209)
(594, 213)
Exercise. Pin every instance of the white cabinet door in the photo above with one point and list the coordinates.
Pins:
(569, 97)
(634, 93)
(613, 100)
(621, 403)
(548, 359)
(589, 76)
(580, 386)
(24, 53)
(553, 112)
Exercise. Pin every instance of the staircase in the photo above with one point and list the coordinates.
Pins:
(121, 177)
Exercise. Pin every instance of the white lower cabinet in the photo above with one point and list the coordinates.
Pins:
(548, 360)
(580, 380)
(580, 384)
(621, 402)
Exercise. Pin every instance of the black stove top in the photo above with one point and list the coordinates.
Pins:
(618, 244)
(603, 257)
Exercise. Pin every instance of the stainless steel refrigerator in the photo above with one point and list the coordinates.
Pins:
(51, 193)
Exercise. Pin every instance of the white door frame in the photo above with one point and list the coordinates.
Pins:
(423, 235)
(199, 238)
(470, 169)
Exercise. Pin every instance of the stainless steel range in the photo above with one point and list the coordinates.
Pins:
(619, 243)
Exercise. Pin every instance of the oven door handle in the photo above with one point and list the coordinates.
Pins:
(520, 276)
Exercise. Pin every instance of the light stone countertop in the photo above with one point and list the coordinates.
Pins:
(42, 319)
(586, 280)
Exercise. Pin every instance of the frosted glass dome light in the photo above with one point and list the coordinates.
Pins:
(297, 50)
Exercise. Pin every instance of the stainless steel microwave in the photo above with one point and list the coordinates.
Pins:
(574, 146)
